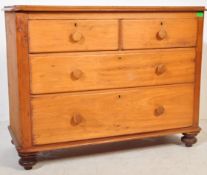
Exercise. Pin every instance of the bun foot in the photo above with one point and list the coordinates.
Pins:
(189, 139)
(27, 160)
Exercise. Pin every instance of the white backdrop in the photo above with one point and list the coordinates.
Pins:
(4, 114)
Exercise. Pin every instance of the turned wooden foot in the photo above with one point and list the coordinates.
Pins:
(27, 160)
(189, 139)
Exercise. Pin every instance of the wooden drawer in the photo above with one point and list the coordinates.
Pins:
(87, 115)
(159, 33)
(72, 35)
(75, 72)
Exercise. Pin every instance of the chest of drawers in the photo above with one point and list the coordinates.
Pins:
(93, 75)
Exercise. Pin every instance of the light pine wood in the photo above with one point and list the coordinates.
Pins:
(18, 69)
(60, 35)
(133, 112)
(198, 63)
(92, 75)
(15, 123)
(138, 34)
(74, 72)
(106, 140)
(23, 78)
(35, 8)
(111, 15)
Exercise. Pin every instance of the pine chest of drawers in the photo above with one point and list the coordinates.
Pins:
(92, 75)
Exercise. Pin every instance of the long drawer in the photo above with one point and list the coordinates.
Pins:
(76, 72)
(88, 115)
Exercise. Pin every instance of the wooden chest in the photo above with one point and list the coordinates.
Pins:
(92, 75)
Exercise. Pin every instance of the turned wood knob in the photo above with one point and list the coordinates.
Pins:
(76, 36)
(161, 34)
(76, 119)
(76, 74)
(159, 111)
(160, 69)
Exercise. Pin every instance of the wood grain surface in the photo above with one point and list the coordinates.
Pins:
(143, 33)
(55, 73)
(57, 35)
(103, 8)
(133, 112)
(91, 75)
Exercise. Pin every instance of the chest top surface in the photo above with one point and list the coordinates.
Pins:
(36, 8)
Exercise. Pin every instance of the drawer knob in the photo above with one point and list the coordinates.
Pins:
(76, 36)
(160, 69)
(159, 111)
(161, 34)
(76, 74)
(76, 119)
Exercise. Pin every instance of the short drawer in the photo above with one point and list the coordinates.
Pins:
(159, 33)
(89, 115)
(72, 35)
(77, 72)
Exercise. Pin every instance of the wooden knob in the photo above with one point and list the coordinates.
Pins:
(161, 34)
(76, 74)
(76, 36)
(76, 119)
(160, 69)
(159, 111)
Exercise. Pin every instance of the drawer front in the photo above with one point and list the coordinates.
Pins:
(72, 35)
(75, 72)
(159, 33)
(88, 115)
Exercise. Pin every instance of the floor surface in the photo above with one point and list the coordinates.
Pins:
(158, 156)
